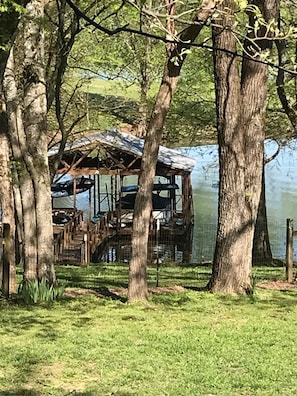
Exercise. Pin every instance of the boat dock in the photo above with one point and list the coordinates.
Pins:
(103, 164)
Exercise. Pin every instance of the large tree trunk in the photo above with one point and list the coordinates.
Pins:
(231, 235)
(27, 132)
(23, 186)
(262, 253)
(6, 202)
(35, 111)
(137, 290)
(241, 106)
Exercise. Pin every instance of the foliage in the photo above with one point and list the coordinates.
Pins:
(125, 59)
(10, 5)
(192, 117)
(9, 15)
(182, 343)
(39, 291)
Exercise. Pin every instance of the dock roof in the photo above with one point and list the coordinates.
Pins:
(129, 144)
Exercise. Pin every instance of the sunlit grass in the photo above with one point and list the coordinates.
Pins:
(116, 275)
(117, 87)
(182, 343)
(112, 87)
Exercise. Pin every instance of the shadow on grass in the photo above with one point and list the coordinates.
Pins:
(197, 288)
(93, 276)
(105, 292)
(95, 393)
(26, 392)
(20, 392)
(19, 323)
(274, 300)
(100, 279)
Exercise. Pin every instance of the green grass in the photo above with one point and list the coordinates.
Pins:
(130, 91)
(183, 343)
(109, 87)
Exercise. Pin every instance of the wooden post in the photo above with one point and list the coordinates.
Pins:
(289, 251)
(89, 240)
(95, 197)
(74, 193)
(157, 246)
(6, 259)
(86, 249)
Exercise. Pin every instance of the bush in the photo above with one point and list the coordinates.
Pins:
(38, 291)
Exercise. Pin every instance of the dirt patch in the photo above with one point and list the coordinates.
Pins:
(78, 292)
(161, 290)
(277, 285)
(119, 292)
(66, 379)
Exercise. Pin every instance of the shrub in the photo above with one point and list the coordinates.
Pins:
(39, 291)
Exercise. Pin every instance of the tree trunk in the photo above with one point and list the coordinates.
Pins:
(137, 290)
(35, 111)
(261, 246)
(228, 265)
(7, 204)
(27, 132)
(241, 105)
(23, 185)
(141, 123)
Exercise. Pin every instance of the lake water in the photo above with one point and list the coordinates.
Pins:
(281, 201)
(281, 197)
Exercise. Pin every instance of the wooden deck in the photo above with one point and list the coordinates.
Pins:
(76, 241)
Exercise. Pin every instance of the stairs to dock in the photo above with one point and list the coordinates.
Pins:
(75, 251)
(75, 241)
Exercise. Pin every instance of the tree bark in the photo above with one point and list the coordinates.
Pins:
(7, 204)
(27, 133)
(262, 253)
(137, 289)
(241, 106)
(23, 186)
(35, 111)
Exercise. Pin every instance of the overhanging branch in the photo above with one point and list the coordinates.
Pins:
(181, 39)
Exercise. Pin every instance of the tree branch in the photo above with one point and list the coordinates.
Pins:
(181, 39)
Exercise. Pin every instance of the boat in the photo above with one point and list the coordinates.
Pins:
(156, 187)
(60, 218)
(66, 188)
(161, 204)
(158, 202)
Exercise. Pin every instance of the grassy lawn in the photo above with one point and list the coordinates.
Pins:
(115, 87)
(182, 343)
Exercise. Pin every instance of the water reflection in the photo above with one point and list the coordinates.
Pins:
(160, 250)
